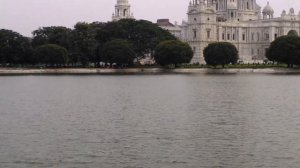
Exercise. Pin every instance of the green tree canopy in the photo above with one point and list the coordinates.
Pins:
(84, 44)
(52, 35)
(221, 53)
(292, 33)
(52, 54)
(285, 49)
(86, 41)
(144, 35)
(14, 48)
(173, 52)
(118, 51)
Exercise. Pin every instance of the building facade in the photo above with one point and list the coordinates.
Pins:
(174, 29)
(122, 11)
(240, 22)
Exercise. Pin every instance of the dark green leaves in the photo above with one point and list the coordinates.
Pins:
(118, 51)
(285, 49)
(221, 53)
(14, 48)
(51, 54)
(173, 52)
(143, 35)
(84, 43)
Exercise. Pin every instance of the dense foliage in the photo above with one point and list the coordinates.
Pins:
(118, 51)
(173, 52)
(144, 35)
(221, 53)
(292, 33)
(52, 35)
(14, 48)
(84, 43)
(285, 49)
(52, 55)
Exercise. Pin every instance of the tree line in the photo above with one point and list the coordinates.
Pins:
(123, 43)
(284, 50)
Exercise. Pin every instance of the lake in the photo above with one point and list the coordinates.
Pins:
(150, 121)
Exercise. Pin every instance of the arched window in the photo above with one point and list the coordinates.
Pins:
(195, 33)
(248, 5)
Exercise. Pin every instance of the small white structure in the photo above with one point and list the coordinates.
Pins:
(122, 11)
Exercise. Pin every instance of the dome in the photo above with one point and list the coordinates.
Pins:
(232, 5)
(268, 10)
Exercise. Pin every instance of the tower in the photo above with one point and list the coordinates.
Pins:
(122, 10)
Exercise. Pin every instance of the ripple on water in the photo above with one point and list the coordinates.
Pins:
(165, 121)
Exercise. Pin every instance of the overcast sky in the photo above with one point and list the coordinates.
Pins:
(24, 16)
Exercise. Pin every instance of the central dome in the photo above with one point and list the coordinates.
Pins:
(268, 10)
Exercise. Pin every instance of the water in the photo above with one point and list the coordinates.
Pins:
(159, 121)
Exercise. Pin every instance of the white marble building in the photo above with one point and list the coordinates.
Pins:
(122, 11)
(241, 22)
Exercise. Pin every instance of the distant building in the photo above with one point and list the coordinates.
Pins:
(240, 22)
(173, 29)
(122, 11)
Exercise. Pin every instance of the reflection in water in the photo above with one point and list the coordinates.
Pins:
(165, 121)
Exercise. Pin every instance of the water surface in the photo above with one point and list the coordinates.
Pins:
(151, 121)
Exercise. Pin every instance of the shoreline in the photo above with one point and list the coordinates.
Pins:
(141, 71)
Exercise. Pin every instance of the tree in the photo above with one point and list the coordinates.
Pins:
(52, 35)
(143, 35)
(118, 51)
(292, 33)
(52, 54)
(285, 49)
(14, 48)
(85, 46)
(58, 35)
(173, 52)
(221, 53)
